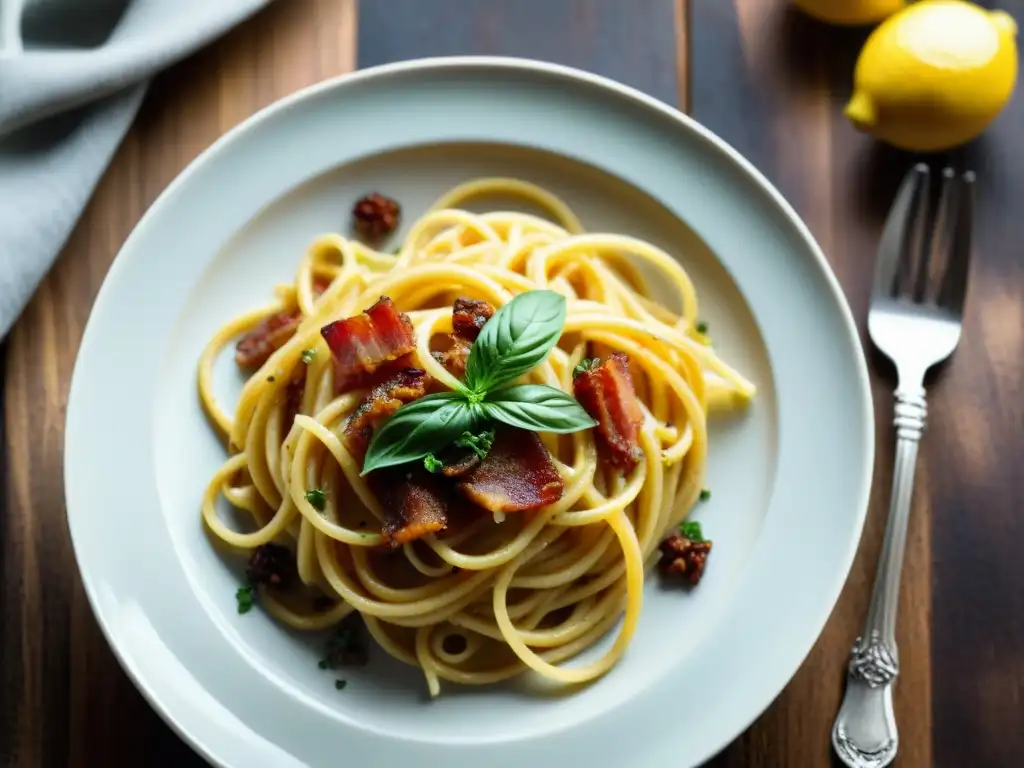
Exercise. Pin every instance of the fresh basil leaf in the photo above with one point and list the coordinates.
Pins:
(537, 407)
(518, 337)
(419, 428)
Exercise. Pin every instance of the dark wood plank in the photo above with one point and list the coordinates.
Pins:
(64, 700)
(634, 42)
(977, 431)
(773, 83)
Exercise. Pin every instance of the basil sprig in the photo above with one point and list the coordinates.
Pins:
(519, 337)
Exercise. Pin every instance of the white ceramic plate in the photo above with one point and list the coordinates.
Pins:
(789, 478)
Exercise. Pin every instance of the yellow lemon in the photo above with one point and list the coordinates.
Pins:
(934, 75)
(849, 12)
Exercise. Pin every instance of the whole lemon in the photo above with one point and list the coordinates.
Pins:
(849, 12)
(934, 75)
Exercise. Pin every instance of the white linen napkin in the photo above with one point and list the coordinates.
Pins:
(72, 76)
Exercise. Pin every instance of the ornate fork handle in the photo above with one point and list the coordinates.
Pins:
(864, 734)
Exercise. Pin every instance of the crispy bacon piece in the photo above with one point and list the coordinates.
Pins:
(273, 565)
(364, 343)
(454, 358)
(516, 475)
(606, 393)
(382, 402)
(267, 337)
(415, 502)
(469, 316)
(369, 380)
(375, 215)
(681, 556)
(458, 461)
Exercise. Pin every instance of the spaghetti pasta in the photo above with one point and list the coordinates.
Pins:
(496, 595)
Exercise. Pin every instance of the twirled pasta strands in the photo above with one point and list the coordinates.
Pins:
(532, 591)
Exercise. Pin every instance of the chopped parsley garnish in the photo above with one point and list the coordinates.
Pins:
(702, 327)
(339, 685)
(479, 443)
(432, 464)
(691, 530)
(705, 494)
(308, 356)
(245, 598)
(585, 365)
(317, 499)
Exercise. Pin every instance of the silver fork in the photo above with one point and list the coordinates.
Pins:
(915, 319)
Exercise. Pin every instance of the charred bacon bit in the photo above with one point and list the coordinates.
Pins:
(363, 343)
(469, 316)
(261, 342)
(415, 503)
(517, 474)
(606, 392)
(455, 357)
(371, 379)
(293, 398)
(272, 565)
(459, 461)
(684, 557)
(455, 461)
(348, 645)
(382, 402)
(375, 216)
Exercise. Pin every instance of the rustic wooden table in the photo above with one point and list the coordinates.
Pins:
(770, 82)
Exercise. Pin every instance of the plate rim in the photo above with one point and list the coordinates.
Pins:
(620, 90)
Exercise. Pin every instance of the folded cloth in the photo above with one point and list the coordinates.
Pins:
(72, 76)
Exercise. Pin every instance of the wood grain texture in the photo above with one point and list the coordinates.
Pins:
(772, 82)
(633, 42)
(769, 81)
(63, 698)
(977, 446)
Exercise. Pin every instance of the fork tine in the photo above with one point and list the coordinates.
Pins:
(940, 254)
(905, 210)
(954, 284)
